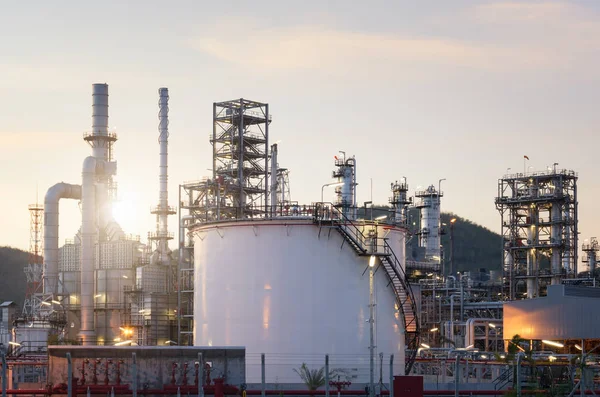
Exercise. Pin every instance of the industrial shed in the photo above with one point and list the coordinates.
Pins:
(567, 312)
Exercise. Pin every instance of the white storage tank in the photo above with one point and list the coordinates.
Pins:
(290, 287)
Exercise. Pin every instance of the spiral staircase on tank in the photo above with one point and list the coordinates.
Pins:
(327, 215)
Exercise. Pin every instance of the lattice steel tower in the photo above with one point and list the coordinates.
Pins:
(240, 143)
(539, 230)
(34, 269)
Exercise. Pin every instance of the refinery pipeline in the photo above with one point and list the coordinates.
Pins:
(264, 294)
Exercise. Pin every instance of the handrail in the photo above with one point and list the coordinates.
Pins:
(358, 238)
(503, 378)
(401, 276)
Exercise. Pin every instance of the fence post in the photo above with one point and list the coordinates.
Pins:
(262, 374)
(3, 374)
(200, 375)
(456, 376)
(69, 376)
(134, 375)
(391, 376)
(327, 375)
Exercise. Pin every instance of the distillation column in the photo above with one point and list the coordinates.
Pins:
(400, 202)
(430, 236)
(591, 249)
(345, 175)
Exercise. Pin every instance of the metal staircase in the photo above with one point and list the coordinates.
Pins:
(504, 379)
(326, 214)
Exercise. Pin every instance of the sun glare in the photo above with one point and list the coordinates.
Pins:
(127, 213)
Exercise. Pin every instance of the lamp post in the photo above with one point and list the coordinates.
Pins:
(372, 261)
(452, 222)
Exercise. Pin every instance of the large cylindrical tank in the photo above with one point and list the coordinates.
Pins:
(290, 288)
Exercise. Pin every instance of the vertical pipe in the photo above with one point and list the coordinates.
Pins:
(456, 375)
(200, 375)
(327, 375)
(462, 302)
(556, 235)
(391, 387)
(582, 381)
(574, 248)
(88, 240)
(262, 375)
(371, 331)
(70, 375)
(274, 180)
(179, 266)
(266, 154)
(133, 375)
(519, 355)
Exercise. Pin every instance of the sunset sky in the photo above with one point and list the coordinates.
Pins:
(460, 90)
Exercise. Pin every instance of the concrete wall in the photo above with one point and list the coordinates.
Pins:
(154, 364)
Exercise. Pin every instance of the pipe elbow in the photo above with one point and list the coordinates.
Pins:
(62, 190)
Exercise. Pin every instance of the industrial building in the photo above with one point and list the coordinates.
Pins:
(103, 286)
(253, 268)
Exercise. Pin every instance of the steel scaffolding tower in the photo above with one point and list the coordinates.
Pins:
(240, 143)
(400, 202)
(34, 269)
(539, 230)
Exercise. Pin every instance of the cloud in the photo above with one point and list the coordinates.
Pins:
(504, 37)
(317, 47)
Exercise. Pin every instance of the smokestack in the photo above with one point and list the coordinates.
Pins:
(100, 121)
(162, 211)
(96, 176)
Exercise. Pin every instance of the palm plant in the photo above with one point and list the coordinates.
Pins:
(312, 378)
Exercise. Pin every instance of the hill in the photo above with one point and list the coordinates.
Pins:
(12, 277)
(475, 247)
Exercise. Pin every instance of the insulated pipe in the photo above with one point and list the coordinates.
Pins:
(87, 332)
(53, 196)
(470, 328)
(274, 197)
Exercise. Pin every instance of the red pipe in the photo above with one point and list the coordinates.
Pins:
(41, 363)
(230, 390)
(386, 392)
